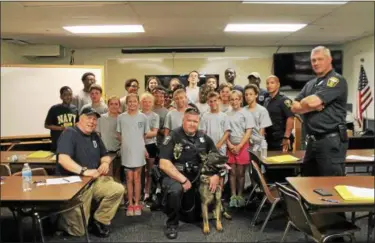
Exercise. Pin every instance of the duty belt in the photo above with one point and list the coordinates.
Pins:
(317, 137)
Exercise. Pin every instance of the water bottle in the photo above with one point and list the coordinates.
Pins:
(263, 149)
(26, 177)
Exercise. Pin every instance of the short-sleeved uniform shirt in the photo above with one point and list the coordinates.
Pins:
(107, 126)
(162, 112)
(332, 89)
(173, 119)
(278, 108)
(132, 129)
(60, 115)
(176, 151)
(262, 96)
(239, 122)
(85, 149)
(215, 125)
(153, 121)
(261, 119)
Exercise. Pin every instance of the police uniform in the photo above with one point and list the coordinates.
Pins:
(327, 140)
(262, 96)
(183, 151)
(278, 108)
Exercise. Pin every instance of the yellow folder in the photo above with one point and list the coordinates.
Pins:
(282, 159)
(39, 155)
(351, 193)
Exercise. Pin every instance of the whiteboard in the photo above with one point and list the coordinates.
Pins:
(27, 93)
(368, 65)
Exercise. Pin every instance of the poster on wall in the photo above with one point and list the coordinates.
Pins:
(165, 79)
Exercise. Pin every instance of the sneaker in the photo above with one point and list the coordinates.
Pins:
(240, 202)
(233, 202)
(137, 210)
(130, 211)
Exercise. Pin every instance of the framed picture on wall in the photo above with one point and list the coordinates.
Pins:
(165, 79)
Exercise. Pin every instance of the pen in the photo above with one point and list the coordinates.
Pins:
(329, 200)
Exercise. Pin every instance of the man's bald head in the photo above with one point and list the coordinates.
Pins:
(272, 84)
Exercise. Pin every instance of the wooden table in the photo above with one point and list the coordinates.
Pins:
(305, 186)
(47, 163)
(301, 153)
(48, 196)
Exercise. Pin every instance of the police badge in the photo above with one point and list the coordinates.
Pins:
(94, 143)
(177, 150)
(288, 103)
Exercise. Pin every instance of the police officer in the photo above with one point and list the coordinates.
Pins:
(322, 102)
(180, 165)
(254, 78)
(279, 135)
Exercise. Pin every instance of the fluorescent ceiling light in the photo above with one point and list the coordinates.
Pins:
(104, 29)
(297, 2)
(263, 27)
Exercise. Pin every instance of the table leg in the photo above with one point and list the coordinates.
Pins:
(370, 226)
(19, 224)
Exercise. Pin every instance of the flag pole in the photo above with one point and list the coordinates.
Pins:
(366, 123)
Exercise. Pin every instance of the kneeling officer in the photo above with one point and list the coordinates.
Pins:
(180, 165)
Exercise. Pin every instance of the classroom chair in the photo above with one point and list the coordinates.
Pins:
(40, 213)
(319, 227)
(5, 170)
(270, 195)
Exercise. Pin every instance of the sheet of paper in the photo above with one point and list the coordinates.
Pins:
(64, 180)
(361, 192)
(360, 158)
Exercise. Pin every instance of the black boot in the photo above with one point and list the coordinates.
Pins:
(99, 229)
(171, 232)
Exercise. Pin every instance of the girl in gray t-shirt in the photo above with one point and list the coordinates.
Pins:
(238, 144)
(132, 126)
(147, 101)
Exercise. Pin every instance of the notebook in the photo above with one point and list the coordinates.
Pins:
(351, 193)
(282, 159)
(39, 155)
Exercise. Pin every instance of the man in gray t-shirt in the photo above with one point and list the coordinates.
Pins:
(173, 119)
(215, 125)
(96, 103)
(262, 120)
(107, 128)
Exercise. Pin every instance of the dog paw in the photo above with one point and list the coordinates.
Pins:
(219, 227)
(206, 230)
(227, 216)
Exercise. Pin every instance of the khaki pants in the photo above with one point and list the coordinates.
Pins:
(107, 193)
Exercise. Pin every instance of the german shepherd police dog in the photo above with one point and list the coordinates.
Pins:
(212, 163)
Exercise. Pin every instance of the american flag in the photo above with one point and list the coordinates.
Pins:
(364, 95)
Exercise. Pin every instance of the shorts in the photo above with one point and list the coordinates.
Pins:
(242, 158)
(152, 150)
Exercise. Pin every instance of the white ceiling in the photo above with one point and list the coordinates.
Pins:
(184, 23)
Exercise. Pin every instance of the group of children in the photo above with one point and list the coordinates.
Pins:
(137, 126)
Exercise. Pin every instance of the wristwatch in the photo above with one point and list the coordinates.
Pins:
(83, 171)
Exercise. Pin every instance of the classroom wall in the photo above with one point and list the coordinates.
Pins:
(115, 78)
(351, 50)
(259, 59)
(10, 54)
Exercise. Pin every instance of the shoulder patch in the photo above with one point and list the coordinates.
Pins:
(288, 103)
(332, 82)
(167, 139)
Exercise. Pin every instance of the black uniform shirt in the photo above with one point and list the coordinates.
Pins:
(332, 89)
(180, 148)
(278, 108)
(262, 96)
